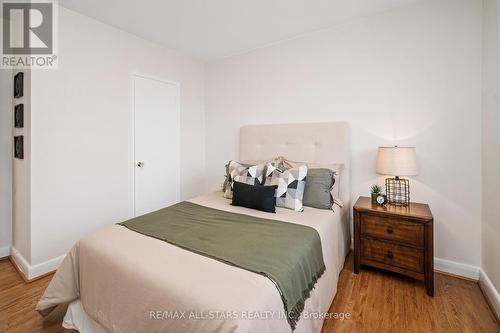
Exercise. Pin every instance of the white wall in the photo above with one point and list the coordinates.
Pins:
(80, 130)
(21, 178)
(6, 119)
(491, 142)
(411, 76)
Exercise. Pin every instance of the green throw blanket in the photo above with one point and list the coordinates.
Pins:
(289, 254)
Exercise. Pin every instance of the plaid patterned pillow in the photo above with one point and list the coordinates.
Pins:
(291, 185)
(251, 175)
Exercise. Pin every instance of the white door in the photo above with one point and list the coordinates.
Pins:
(156, 117)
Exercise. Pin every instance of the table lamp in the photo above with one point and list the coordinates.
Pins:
(397, 161)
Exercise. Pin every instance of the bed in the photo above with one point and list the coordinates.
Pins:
(118, 280)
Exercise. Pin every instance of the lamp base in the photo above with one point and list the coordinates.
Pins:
(398, 191)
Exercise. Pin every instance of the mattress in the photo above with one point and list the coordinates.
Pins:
(128, 282)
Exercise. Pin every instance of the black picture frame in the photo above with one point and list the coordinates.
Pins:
(19, 85)
(19, 116)
(19, 147)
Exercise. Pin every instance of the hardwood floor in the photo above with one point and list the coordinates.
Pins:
(18, 300)
(376, 302)
(387, 302)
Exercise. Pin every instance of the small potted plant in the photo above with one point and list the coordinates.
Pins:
(376, 190)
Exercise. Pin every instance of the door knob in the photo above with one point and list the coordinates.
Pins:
(140, 164)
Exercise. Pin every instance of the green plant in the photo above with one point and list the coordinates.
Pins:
(376, 189)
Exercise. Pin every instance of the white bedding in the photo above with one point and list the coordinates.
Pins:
(201, 284)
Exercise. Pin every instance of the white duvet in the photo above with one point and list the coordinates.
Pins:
(128, 282)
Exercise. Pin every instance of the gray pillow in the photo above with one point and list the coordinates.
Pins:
(319, 184)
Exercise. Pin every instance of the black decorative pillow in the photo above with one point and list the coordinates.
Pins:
(254, 196)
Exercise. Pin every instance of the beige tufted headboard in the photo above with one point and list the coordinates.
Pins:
(324, 143)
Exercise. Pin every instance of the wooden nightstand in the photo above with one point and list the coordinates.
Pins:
(398, 239)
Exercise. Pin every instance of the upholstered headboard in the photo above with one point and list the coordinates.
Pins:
(324, 143)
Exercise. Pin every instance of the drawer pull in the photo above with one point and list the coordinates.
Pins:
(390, 230)
(390, 255)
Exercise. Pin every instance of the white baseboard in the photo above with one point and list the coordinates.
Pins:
(456, 268)
(4, 251)
(490, 291)
(45, 267)
(33, 271)
(20, 262)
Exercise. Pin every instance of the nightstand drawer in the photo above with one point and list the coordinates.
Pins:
(393, 229)
(392, 254)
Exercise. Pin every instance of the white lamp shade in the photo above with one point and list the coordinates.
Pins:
(397, 161)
